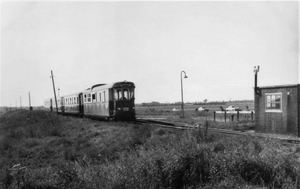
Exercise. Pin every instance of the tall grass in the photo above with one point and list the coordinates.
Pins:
(184, 163)
(30, 124)
(132, 156)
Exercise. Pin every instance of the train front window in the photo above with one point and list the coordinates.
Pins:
(131, 93)
(125, 94)
(118, 94)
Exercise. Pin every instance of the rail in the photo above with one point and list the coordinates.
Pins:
(215, 130)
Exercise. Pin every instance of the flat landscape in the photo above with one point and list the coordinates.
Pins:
(39, 149)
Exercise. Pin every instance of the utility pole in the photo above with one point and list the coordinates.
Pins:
(30, 108)
(54, 92)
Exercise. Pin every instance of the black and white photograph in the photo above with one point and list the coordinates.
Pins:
(149, 94)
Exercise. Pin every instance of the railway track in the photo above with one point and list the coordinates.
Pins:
(165, 124)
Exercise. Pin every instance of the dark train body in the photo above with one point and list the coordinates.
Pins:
(109, 101)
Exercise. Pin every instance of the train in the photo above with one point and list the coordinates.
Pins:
(113, 101)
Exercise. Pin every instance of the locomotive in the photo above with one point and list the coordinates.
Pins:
(109, 101)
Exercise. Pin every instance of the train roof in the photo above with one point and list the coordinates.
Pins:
(99, 87)
(109, 85)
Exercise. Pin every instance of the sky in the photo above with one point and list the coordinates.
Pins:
(217, 44)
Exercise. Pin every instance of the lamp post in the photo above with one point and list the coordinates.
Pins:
(182, 105)
(256, 70)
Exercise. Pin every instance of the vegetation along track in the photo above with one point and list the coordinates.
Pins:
(214, 130)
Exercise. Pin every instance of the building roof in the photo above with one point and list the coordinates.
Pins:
(277, 86)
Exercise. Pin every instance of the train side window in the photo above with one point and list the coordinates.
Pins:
(104, 96)
(85, 98)
(94, 97)
(100, 97)
(89, 97)
(77, 100)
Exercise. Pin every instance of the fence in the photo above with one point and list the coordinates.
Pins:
(231, 114)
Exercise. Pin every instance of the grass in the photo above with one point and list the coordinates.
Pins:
(89, 154)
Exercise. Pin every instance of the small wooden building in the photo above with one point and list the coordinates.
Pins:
(277, 109)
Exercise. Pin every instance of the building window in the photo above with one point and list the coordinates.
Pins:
(273, 102)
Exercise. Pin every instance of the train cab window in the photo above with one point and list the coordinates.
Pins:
(131, 93)
(77, 100)
(125, 94)
(118, 94)
(116, 97)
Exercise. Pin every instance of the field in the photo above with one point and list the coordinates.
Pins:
(192, 117)
(40, 149)
(191, 107)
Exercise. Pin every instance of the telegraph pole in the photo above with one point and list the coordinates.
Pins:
(54, 92)
(30, 108)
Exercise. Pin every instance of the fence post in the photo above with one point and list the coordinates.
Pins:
(225, 116)
(252, 115)
(238, 116)
(214, 116)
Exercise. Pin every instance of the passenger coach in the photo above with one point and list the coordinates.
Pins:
(109, 101)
